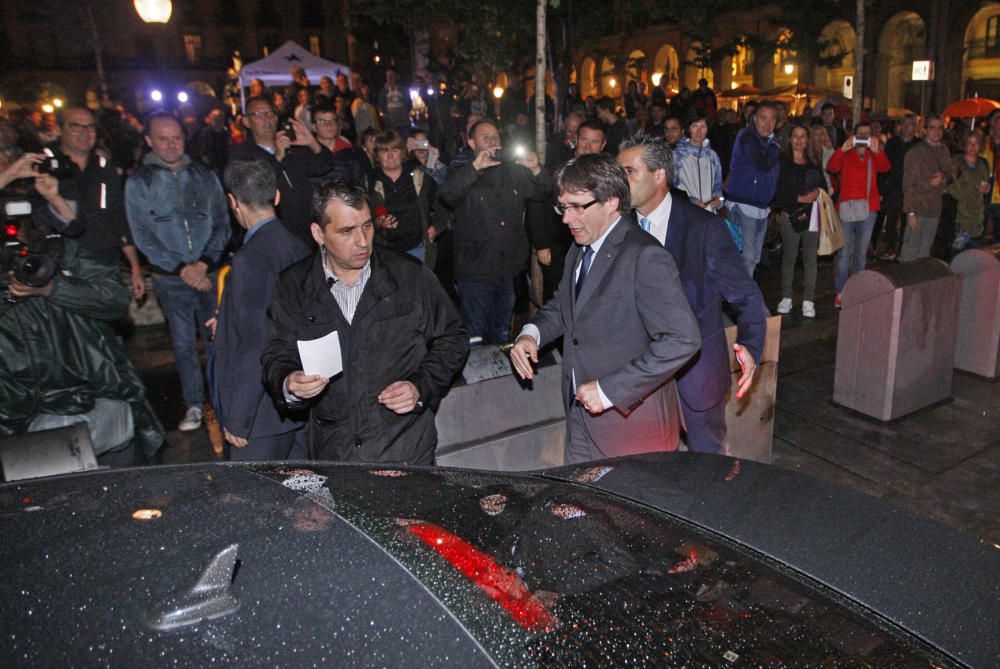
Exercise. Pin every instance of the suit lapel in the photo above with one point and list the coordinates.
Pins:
(601, 262)
(674, 226)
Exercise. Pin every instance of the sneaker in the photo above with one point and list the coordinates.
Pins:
(785, 306)
(808, 309)
(836, 301)
(191, 420)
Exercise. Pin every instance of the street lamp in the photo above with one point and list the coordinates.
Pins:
(656, 78)
(154, 11)
(789, 68)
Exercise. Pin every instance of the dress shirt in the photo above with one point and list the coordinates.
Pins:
(658, 219)
(532, 330)
(252, 230)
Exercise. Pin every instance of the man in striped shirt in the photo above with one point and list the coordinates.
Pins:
(401, 339)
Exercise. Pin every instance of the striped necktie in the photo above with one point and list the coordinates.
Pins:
(645, 223)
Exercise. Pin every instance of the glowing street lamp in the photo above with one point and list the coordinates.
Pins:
(656, 78)
(182, 97)
(789, 68)
(154, 11)
(612, 82)
(156, 96)
(498, 92)
(47, 108)
(57, 102)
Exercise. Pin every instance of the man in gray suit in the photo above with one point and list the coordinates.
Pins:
(626, 325)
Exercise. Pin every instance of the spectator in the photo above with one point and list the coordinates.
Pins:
(95, 186)
(680, 104)
(402, 341)
(657, 115)
(616, 127)
(591, 137)
(211, 145)
(782, 127)
(251, 425)
(342, 108)
(339, 154)
(427, 156)
(405, 196)
(491, 246)
(294, 161)
(179, 220)
(395, 105)
(753, 179)
(303, 110)
(722, 135)
(673, 131)
(634, 100)
(344, 88)
(513, 101)
(828, 113)
(564, 148)
(927, 172)
(820, 152)
(257, 89)
(991, 152)
(704, 99)
(326, 91)
(799, 182)
(858, 161)
(699, 172)
(58, 353)
(892, 198)
(971, 183)
(364, 112)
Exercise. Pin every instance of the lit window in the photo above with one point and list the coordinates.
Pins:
(314, 45)
(192, 48)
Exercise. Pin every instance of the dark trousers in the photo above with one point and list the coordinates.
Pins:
(889, 238)
(705, 431)
(186, 310)
(486, 308)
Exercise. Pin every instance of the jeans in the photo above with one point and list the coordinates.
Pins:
(754, 230)
(917, 242)
(790, 241)
(851, 259)
(186, 311)
(486, 308)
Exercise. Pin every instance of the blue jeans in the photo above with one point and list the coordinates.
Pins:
(851, 259)
(754, 230)
(186, 311)
(486, 308)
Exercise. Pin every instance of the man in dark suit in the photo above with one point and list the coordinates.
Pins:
(252, 427)
(711, 270)
(626, 325)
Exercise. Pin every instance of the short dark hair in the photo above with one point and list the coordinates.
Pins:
(863, 124)
(596, 173)
(252, 182)
(606, 103)
(368, 132)
(262, 98)
(388, 139)
(827, 105)
(656, 153)
(483, 121)
(703, 82)
(766, 104)
(594, 124)
(353, 196)
(673, 118)
(161, 116)
(696, 115)
(61, 113)
(323, 108)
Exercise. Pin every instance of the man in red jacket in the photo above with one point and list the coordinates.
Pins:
(858, 162)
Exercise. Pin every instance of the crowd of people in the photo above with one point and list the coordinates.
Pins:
(324, 209)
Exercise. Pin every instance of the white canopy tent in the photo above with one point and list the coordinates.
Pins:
(276, 68)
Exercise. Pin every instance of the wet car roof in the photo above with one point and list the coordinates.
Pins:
(372, 566)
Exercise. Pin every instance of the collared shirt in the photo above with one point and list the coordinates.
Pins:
(270, 149)
(658, 219)
(532, 330)
(251, 231)
(347, 296)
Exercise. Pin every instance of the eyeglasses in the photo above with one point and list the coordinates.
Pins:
(561, 208)
(262, 114)
(325, 121)
(80, 127)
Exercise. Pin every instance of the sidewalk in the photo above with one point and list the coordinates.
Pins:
(942, 463)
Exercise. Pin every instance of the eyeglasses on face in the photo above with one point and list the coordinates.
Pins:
(263, 114)
(561, 208)
(81, 127)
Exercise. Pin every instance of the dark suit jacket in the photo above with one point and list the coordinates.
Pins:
(631, 329)
(712, 270)
(294, 173)
(247, 410)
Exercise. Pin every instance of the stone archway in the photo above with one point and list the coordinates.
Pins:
(839, 38)
(694, 68)
(588, 85)
(608, 80)
(667, 65)
(981, 60)
(903, 39)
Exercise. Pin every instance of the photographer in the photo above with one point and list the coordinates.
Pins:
(58, 353)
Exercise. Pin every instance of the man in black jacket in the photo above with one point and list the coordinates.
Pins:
(252, 427)
(294, 161)
(491, 245)
(401, 340)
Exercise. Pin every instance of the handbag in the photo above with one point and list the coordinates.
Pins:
(852, 211)
(831, 234)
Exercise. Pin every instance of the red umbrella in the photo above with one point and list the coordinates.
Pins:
(971, 108)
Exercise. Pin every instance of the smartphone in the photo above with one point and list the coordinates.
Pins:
(422, 144)
(862, 141)
(289, 130)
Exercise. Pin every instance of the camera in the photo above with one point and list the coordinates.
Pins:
(289, 130)
(862, 141)
(421, 144)
(35, 262)
(58, 166)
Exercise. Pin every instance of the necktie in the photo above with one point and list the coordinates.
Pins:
(584, 266)
(645, 223)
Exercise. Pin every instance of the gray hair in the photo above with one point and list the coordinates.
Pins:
(252, 182)
(656, 153)
(596, 173)
(352, 196)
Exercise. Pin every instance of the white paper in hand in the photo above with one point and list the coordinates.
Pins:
(321, 356)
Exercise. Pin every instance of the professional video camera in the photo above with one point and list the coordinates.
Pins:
(33, 257)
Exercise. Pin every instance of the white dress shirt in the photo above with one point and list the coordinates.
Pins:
(658, 219)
